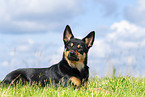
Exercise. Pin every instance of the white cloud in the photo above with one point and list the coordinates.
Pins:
(100, 48)
(130, 60)
(25, 45)
(12, 53)
(126, 30)
(5, 63)
(142, 43)
(36, 15)
(30, 41)
(125, 44)
(27, 41)
(23, 48)
(126, 34)
(124, 26)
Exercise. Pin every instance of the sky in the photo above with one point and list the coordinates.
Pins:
(31, 33)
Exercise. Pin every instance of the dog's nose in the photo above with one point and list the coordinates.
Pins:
(72, 53)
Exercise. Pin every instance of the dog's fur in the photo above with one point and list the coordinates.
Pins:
(71, 69)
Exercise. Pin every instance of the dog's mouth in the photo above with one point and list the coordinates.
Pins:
(72, 57)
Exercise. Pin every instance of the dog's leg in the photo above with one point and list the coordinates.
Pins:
(12, 82)
(85, 84)
(75, 81)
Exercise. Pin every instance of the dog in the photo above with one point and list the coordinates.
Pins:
(72, 69)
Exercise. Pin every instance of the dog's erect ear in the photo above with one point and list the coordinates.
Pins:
(67, 34)
(89, 39)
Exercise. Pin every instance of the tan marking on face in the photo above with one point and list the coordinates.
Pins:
(75, 81)
(65, 55)
(76, 64)
(71, 44)
(78, 46)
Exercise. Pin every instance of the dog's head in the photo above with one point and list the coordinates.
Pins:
(76, 49)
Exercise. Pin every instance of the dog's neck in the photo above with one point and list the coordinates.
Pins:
(79, 65)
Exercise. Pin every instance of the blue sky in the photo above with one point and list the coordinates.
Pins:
(51, 16)
(31, 33)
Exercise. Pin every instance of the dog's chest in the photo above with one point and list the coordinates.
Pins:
(78, 65)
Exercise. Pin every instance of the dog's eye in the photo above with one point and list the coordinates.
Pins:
(80, 48)
(70, 46)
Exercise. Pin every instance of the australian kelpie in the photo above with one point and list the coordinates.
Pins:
(72, 69)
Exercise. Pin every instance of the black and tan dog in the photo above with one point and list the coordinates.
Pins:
(71, 69)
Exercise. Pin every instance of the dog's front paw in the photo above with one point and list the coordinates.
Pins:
(75, 81)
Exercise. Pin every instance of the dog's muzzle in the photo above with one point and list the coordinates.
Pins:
(72, 56)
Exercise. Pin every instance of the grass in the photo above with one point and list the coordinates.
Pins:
(97, 87)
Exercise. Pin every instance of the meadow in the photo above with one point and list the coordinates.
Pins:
(97, 87)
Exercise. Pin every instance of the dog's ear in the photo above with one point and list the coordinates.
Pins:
(89, 39)
(67, 34)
